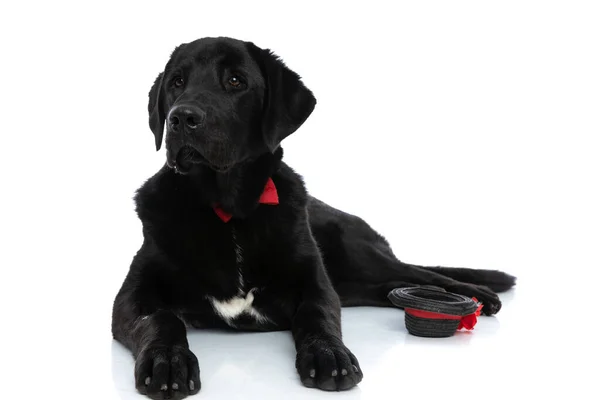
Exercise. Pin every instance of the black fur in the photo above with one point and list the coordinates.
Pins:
(302, 259)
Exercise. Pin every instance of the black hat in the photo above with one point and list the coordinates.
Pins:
(432, 312)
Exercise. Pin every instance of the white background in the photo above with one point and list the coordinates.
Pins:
(465, 132)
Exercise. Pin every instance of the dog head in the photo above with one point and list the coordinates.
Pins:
(223, 102)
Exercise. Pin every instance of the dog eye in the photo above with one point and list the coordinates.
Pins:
(235, 81)
(178, 82)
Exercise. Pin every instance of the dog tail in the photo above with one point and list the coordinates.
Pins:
(498, 281)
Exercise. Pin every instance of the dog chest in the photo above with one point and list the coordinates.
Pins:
(240, 304)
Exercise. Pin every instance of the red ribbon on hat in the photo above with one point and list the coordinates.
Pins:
(269, 196)
(467, 321)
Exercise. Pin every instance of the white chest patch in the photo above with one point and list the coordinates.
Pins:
(231, 309)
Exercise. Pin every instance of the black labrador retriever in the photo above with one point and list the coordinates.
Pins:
(233, 240)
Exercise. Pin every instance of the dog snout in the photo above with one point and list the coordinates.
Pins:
(186, 118)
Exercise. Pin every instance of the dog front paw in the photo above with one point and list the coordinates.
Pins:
(163, 372)
(328, 365)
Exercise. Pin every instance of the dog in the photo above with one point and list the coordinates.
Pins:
(233, 240)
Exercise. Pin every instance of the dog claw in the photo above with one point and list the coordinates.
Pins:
(355, 368)
(344, 371)
(192, 385)
(147, 381)
(312, 373)
(334, 372)
(164, 387)
(175, 386)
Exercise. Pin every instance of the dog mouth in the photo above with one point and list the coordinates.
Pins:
(220, 168)
(188, 157)
(184, 160)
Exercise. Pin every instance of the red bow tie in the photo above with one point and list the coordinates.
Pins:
(268, 196)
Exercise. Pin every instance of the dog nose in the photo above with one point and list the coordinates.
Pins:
(188, 117)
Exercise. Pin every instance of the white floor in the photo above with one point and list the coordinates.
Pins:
(512, 354)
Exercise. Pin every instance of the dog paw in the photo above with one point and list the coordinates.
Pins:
(167, 372)
(328, 365)
(490, 300)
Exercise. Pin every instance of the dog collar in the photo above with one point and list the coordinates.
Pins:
(269, 196)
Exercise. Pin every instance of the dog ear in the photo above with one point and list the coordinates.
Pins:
(287, 104)
(156, 110)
